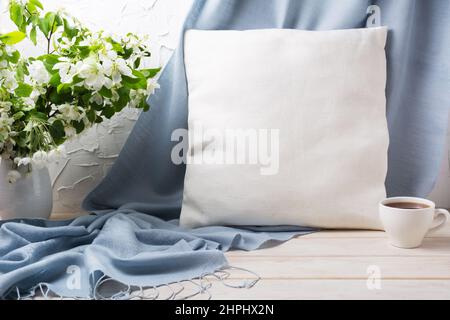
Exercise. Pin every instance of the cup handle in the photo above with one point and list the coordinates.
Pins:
(441, 216)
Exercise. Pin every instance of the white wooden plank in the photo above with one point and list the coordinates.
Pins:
(305, 289)
(364, 247)
(295, 289)
(341, 267)
(336, 289)
(444, 233)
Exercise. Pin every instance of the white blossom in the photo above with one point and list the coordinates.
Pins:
(5, 106)
(38, 72)
(91, 40)
(66, 70)
(56, 154)
(115, 37)
(152, 85)
(115, 69)
(69, 131)
(9, 81)
(39, 159)
(28, 103)
(134, 42)
(93, 72)
(66, 43)
(22, 161)
(135, 97)
(115, 95)
(69, 112)
(5, 120)
(107, 52)
(97, 98)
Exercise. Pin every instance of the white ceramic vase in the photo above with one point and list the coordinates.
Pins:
(29, 197)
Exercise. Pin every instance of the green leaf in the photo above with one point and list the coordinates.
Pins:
(38, 116)
(56, 130)
(44, 25)
(124, 98)
(90, 114)
(63, 87)
(78, 125)
(76, 79)
(18, 115)
(95, 106)
(84, 51)
(49, 58)
(23, 90)
(55, 97)
(145, 106)
(69, 30)
(16, 14)
(108, 112)
(20, 71)
(60, 98)
(57, 22)
(49, 61)
(50, 16)
(33, 35)
(31, 7)
(138, 82)
(105, 92)
(117, 47)
(127, 53)
(138, 74)
(85, 98)
(14, 58)
(150, 73)
(12, 37)
(98, 119)
(145, 53)
(37, 3)
(130, 80)
(21, 139)
(55, 80)
(34, 20)
(137, 63)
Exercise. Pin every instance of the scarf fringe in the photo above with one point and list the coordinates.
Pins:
(203, 284)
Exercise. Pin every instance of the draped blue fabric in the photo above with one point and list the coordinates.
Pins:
(132, 237)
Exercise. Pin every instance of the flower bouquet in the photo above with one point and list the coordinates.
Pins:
(83, 78)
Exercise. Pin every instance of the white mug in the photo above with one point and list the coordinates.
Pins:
(406, 227)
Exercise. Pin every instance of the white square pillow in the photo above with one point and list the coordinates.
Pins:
(306, 113)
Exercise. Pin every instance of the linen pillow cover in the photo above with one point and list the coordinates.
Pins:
(286, 127)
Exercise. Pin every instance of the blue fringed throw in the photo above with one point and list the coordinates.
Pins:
(71, 258)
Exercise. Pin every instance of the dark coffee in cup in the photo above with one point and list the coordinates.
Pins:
(407, 205)
(407, 220)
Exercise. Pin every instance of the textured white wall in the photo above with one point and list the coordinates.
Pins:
(92, 154)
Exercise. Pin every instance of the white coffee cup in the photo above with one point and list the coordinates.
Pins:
(406, 227)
